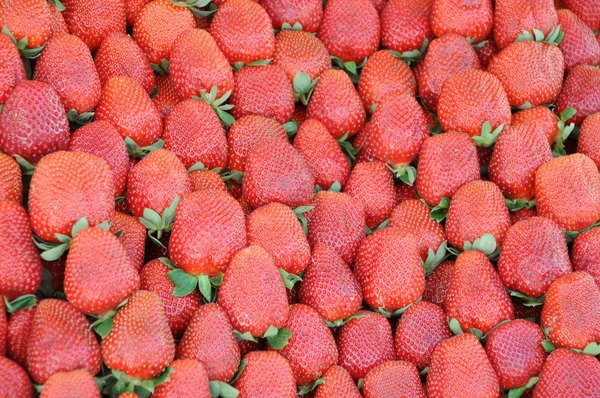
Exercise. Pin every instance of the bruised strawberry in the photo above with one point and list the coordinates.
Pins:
(189, 378)
(393, 378)
(167, 98)
(267, 374)
(405, 25)
(513, 17)
(437, 284)
(579, 93)
(569, 374)
(585, 254)
(207, 179)
(92, 22)
(472, 20)
(541, 118)
(299, 51)
(132, 236)
(579, 45)
(337, 384)
(588, 142)
(15, 381)
(27, 19)
(307, 13)
(77, 382)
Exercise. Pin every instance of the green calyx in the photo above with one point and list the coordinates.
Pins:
(518, 204)
(303, 87)
(299, 213)
(383, 225)
(439, 212)
(157, 224)
(118, 382)
(398, 312)
(197, 7)
(277, 338)
(528, 301)
(80, 119)
(239, 65)
(291, 128)
(342, 322)
(517, 392)
(455, 327)
(138, 152)
(59, 6)
(414, 56)
(186, 283)
(564, 131)
(20, 303)
(28, 53)
(218, 104)
(289, 280)
(288, 26)
(488, 136)
(224, 390)
(53, 251)
(162, 69)
(350, 67)
(27, 168)
(435, 258)
(554, 37)
(335, 187)
(570, 236)
(485, 244)
(303, 390)
(406, 174)
(103, 323)
(347, 148)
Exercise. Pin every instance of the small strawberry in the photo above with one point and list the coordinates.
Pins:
(513, 18)
(78, 383)
(167, 98)
(307, 13)
(189, 378)
(579, 93)
(569, 374)
(579, 45)
(92, 22)
(337, 384)
(437, 284)
(541, 117)
(586, 254)
(588, 142)
(393, 378)
(267, 374)
(15, 381)
(300, 52)
(132, 236)
(405, 25)
(207, 179)
(472, 20)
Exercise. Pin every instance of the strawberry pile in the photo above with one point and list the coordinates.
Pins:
(282, 198)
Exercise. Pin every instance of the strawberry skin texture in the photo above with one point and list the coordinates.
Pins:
(15, 382)
(102, 139)
(140, 343)
(476, 209)
(588, 12)
(447, 162)
(133, 8)
(540, 117)
(33, 122)
(579, 92)
(133, 236)
(476, 297)
(311, 350)
(267, 374)
(512, 17)
(588, 142)
(393, 378)
(193, 133)
(167, 98)
(207, 179)
(79, 383)
(567, 191)
(572, 311)
(209, 339)
(99, 273)
(405, 24)
(419, 330)
(437, 284)
(473, 19)
(27, 18)
(307, 12)
(12, 64)
(579, 45)
(189, 378)
(60, 340)
(17, 335)
(586, 253)
(338, 384)
(253, 293)
(300, 51)
(530, 72)
(570, 375)
(243, 31)
(67, 186)
(460, 368)
(516, 352)
(92, 21)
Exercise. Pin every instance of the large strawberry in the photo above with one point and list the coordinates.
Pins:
(392, 378)
(132, 236)
(307, 13)
(27, 19)
(60, 340)
(267, 374)
(337, 383)
(585, 254)
(437, 284)
(588, 12)
(514, 17)
(15, 381)
(579, 45)
(472, 20)
(33, 122)
(405, 25)
(77, 382)
(189, 378)
(569, 374)
(588, 142)
(579, 93)
(92, 22)
(568, 191)
(540, 117)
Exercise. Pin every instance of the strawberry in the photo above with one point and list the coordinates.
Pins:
(17, 336)
(322, 153)
(585, 254)
(471, 98)
(11, 186)
(336, 104)
(476, 297)
(140, 343)
(337, 384)
(571, 312)
(437, 284)
(311, 350)
(405, 192)
(193, 133)
(447, 162)
(197, 64)
(579, 93)
(15, 381)
(531, 72)
(522, 214)
(167, 98)
(7, 80)
(393, 378)
(567, 191)
(513, 17)
(460, 368)
(56, 19)
(471, 20)
(102, 139)
(534, 254)
(419, 330)
(92, 22)
(365, 342)
(267, 374)
(300, 52)
(133, 8)
(541, 117)
(413, 216)
(372, 184)
(337, 220)
(589, 141)
(383, 74)
(9, 54)
(307, 13)
(132, 236)
(3, 329)
(435, 69)
(157, 43)
(588, 12)
(253, 293)
(276, 229)
(263, 91)
(243, 32)
(209, 339)
(276, 172)
(33, 122)
(78, 383)
(27, 19)
(60, 340)
(405, 25)
(189, 378)
(516, 352)
(329, 286)
(67, 186)
(476, 209)
(207, 179)
(119, 55)
(569, 374)
(486, 53)
(579, 45)
(245, 134)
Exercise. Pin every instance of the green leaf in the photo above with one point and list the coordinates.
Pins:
(299, 213)
(244, 336)
(225, 117)
(406, 174)
(486, 244)
(360, 384)
(424, 372)
(548, 346)
(567, 114)
(206, 288)
(301, 82)
(435, 258)
(153, 218)
(592, 349)
(167, 262)
(454, 325)
(341, 322)
(335, 187)
(439, 212)
(303, 390)
(516, 392)
(291, 128)
(476, 332)
(289, 280)
(487, 137)
(163, 377)
(22, 302)
(168, 216)
(196, 166)
(239, 371)
(271, 332)
(539, 35)
(105, 225)
(55, 253)
(27, 168)
(220, 389)
(103, 327)
(280, 340)
(518, 204)
(82, 223)
(184, 282)
(233, 175)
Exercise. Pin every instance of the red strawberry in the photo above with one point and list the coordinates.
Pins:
(336, 104)
(92, 22)
(17, 336)
(33, 122)
(405, 192)
(67, 186)
(447, 162)
(132, 9)
(56, 20)
(541, 117)
(267, 374)
(133, 236)
(460, 368)
(102, 139)
(337, 220)
(207, 179)
(119, 55)
(189, 378)
(486, 53)
(393, 378)
(419, 330)
(15, 381)
(589, 139)
(276, 172)
(516, 352)
(60, 340)
(476, 297)
(531, 72)
(9, 54)
(27, 19)
(437, 284)
(405, 25)
(579, 92)
(167, 98)
(3, 330)
(140, 343)
(472, 19)
(579, 45)
(243, 31)
(588, 12)
(337, 384)
(79, 383)
(567, 191)
(300, 52)
(365, 342)
(513, 17)
(586, 254)
(7, 80)
(522, 214)
(569, 374)
(308, 13)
